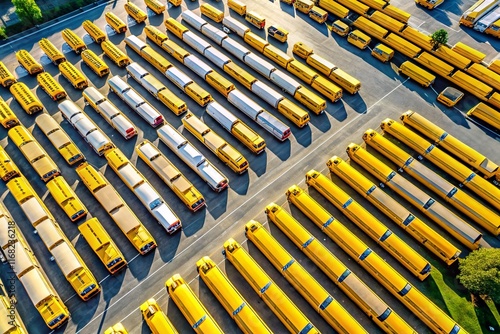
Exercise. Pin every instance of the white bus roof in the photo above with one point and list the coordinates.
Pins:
(69, 108)
(48, 232)
(33, 210)
(35, 286)
(169, 134)
(66, 258)
(130, 175)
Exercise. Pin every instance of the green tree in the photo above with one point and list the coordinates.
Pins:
(28, 11)
(480, 273)
(439, 37)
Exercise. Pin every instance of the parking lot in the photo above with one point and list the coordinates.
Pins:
(383, 94)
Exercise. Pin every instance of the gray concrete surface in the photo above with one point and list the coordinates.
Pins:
(383, 94)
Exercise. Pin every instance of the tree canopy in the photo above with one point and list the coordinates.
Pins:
(28, 11)
(480, 273)
(439, 37)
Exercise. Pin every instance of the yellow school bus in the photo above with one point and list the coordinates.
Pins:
(155, 34)
(212, 12)
(51, 86)
(117, 208)
(115, 23)
(175, 27)
(302, 281)
(66, 198)
(95, 63)
(495, 66)
(73, 75)
(59, 138)
(175, 50)
(8, 118)
(102, 244)
(221, 84)
(115, 54)
(94, 31)
(51, 51)
(135, 12)
(28, 62)
(116, 329)
(172, 177)
(221, 148)
(327, 88)
(290, 110)
(34, 153)
(240, 75)
(8, 168)
(155, 5)
(334, 7)
(485, 75)
(73, 40)
(233, 302)
(190, 306)
(6, 78)
(25, 97)
(487, 114)
(155, 318)
(370, 28)
(469, 52)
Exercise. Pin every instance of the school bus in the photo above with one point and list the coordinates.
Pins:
(387, 22)
(310, 100)
(73, 75)
(375, 4)
(396, 13)
(487, 114)
(407, 256)
(60, 139)
(172, 177)
(417, 73)
(95, 63)
(25, 97)
(175, 27)
(369, 302)
(6, 78)
(155, 34)
(115, 23)
(51, 51)
(135, 12)
(115, 54)
(66, 198)
(116, 329)
(319, 15)
(73, 40)
(327, 88)
(155, 318)
(117, 208)
(8, 118)
(51, 86)
(67, 258)
(240, 75)
(469, 52)
(221, 148)
(494, 66)
(190, 306)
(297, 115)
(461, 230)
(12, 324)
(8, 168)
(452, 57)
(451, 144)
(221, 84)
(456, 197)
(31, 275)
(485, 75)
(424, 234)
(434, 64)
(417, 37)
(212, 12)
(355, 6)
(175, 50)
(402, 45)
(370, 28)
(34, 153)
(314, 293)
(94, 31)
(451, 166)
(102, 244)
(386, 275)
(476, 12)
(334, 7)
(233, 302)
(155, 5)
(26, 60)
(143, 190)
(279, 303)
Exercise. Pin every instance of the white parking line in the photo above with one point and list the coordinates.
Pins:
(236, 209)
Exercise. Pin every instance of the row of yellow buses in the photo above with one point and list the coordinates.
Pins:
(489, 192)
(464, 71)
(279, 303)
(386, 275)
(190, 306)
(486, 114)
(8, 311)
(8, 118)
(116, 208)
(233, 302)
(51, 51)
(25, 97)
(367, 300)
(424, 234)
(291, 111)
(6, 77)
(67, 258)
(314, 293)
(155, 318)
(461, 230)
(8, 169)
(41, 292)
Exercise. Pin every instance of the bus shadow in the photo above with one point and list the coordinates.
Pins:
(321, 122)
(304, 137)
